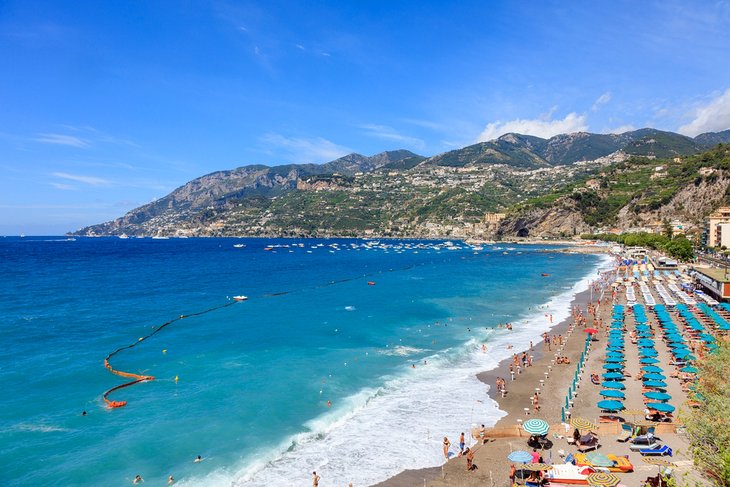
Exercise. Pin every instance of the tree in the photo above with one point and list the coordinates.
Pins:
(668, 230)
(708, 426)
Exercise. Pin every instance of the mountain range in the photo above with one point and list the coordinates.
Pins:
(396, 193)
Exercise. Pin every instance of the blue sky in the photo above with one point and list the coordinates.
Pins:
(105, 106)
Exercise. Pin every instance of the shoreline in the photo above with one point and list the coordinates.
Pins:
(518, 393)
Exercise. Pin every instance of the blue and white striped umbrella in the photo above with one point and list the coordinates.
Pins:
(536, 426)
(519, 456)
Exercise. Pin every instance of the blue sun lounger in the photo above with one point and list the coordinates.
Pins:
(661, 451)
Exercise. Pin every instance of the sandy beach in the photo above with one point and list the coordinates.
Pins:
(553, 381)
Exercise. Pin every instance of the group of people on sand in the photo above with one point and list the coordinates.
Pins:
(501, 386)
(548, 342)
(562, 360)
(464, 451)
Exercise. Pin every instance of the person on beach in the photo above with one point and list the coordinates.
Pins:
(512, 474)
(483, 434)
(447, 444)
(470, 460)
(462, 444)
(315, 479)
(536, 403)
(535, 456)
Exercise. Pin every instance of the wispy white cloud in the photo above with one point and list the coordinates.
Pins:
(544, 126)
(601, 100)
(61, 139)
(317, 52)
(389, 133)
(710, 117)
(63, 186)
(90, 180)
(301, 149)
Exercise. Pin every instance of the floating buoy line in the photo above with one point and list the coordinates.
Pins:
(138, 378)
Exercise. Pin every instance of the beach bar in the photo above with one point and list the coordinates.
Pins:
(715, 281)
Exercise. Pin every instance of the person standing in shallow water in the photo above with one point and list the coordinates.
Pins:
(447, 444)
(315, 479)
(462, 444)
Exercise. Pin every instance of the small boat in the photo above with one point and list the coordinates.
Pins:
(545, 275)
(239, 246)
(371, 283)
(268, 249)
(240, 298)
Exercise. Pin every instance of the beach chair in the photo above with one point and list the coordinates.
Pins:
(591, 445)
(659, 451)
(627, 432)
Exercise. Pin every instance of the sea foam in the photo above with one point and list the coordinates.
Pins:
(377, 433)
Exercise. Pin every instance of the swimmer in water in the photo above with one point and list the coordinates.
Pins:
(170, 480)
(198, 459)
(138, 480)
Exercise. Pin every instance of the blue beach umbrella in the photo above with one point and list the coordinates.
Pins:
(654, 376)
(657, 396)
(613, 367)
(645, 342)
(660, 406)
(655, 384)
(613, 376)
(648, 352)
(613, 394)
(649, 360)
(612, 384)
(610, 405)
(519, 456)
(651, 368)
(615, 360)
(615, 354)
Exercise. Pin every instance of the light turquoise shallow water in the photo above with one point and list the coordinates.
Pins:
(255, 377)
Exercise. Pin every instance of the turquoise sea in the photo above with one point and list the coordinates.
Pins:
(255, 378)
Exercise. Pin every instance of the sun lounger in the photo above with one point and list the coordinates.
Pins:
(592, 445)
(659, 451)
(620, 463)
(626, 433)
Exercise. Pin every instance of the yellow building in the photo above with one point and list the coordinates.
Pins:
(494, 217)
(716, 226)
